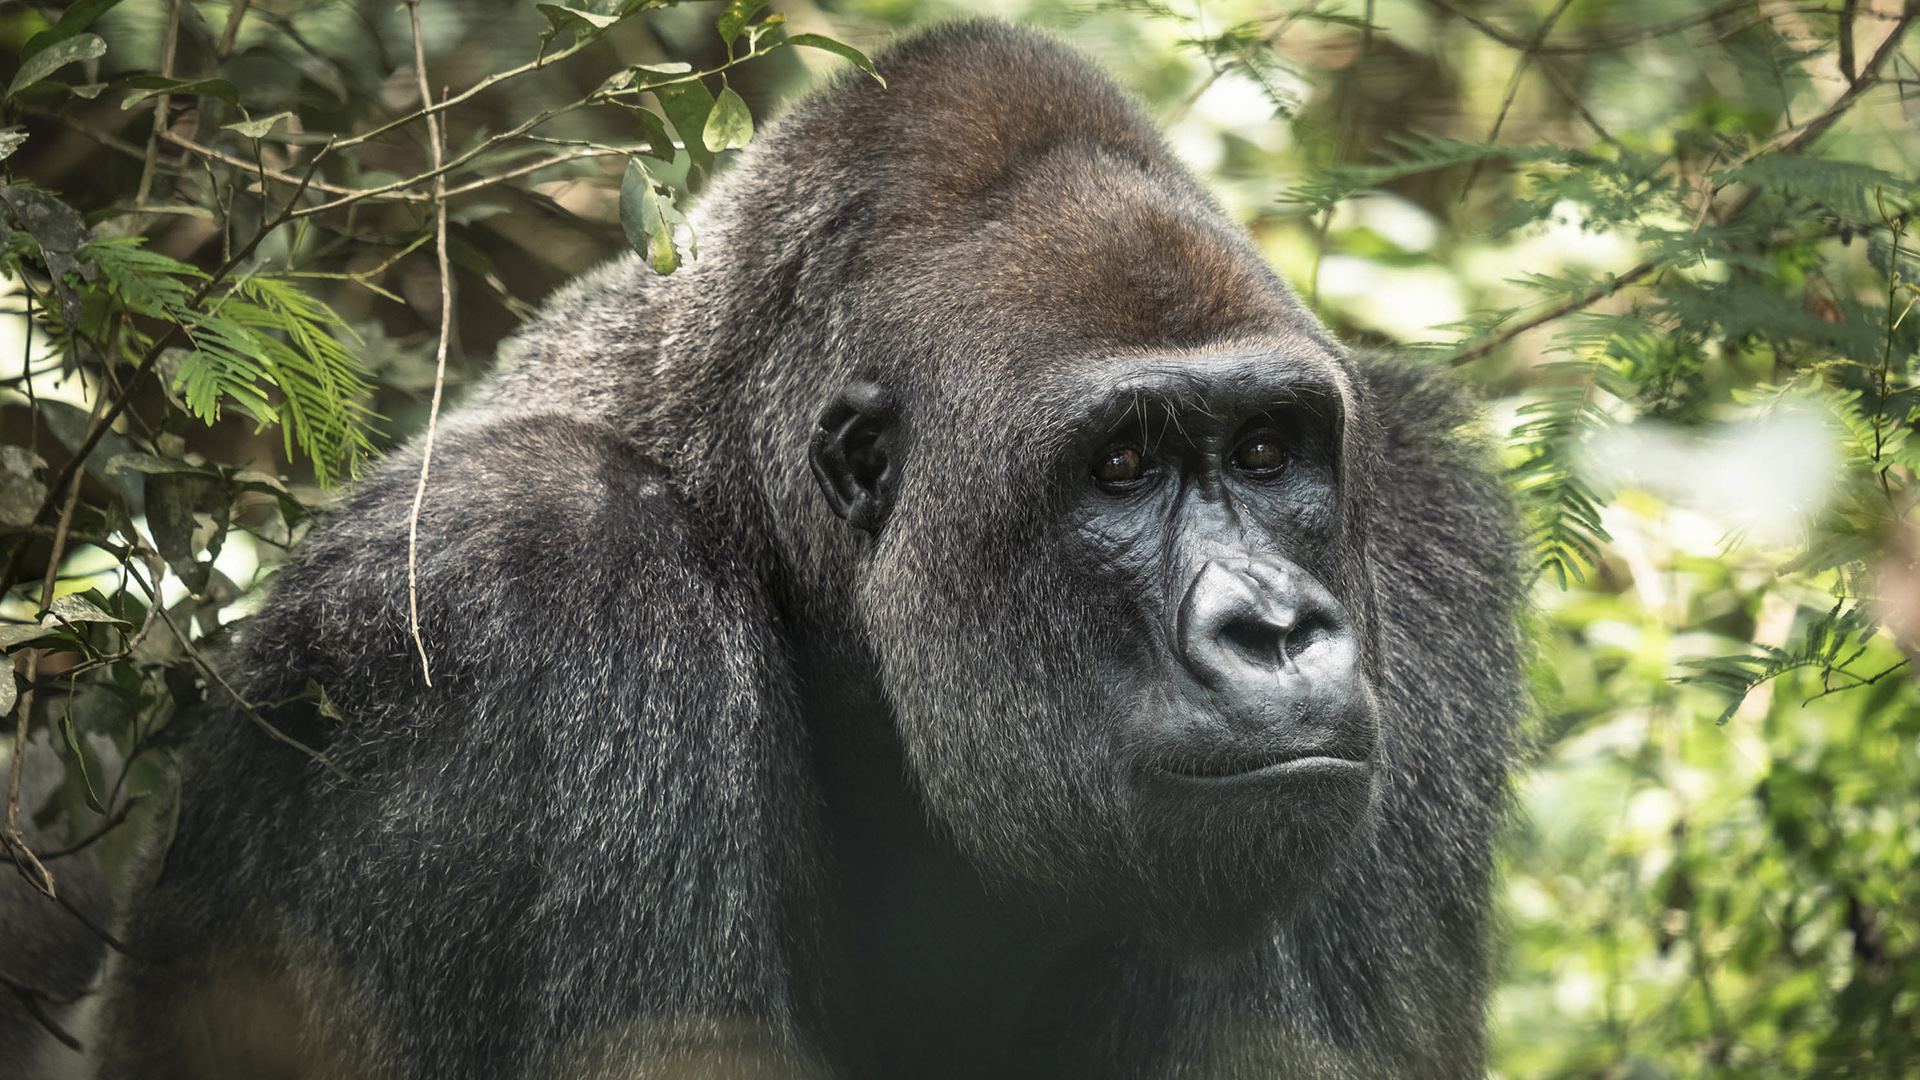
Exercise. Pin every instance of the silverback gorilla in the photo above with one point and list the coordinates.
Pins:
(973, 622)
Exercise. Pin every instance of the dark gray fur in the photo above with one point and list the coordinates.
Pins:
(607, 841)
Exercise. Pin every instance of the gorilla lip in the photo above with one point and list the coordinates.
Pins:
(1312, 764)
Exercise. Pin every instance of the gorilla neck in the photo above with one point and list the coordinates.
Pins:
(933, 973)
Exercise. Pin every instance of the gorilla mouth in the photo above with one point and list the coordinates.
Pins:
(1242, 769)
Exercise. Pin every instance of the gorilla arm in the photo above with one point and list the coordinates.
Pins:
(565, 857)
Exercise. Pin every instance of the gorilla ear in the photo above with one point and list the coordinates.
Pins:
(854, 455)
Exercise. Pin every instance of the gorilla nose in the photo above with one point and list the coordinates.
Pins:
(1249, 621)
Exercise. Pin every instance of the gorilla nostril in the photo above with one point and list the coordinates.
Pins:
(1257, 639)
(1314, 628)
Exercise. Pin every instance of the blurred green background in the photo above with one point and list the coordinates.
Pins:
(1670, 241)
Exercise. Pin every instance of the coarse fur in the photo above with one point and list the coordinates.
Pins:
(708, 783)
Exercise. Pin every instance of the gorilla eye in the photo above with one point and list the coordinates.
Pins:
(1260, 453)
(1119, 466)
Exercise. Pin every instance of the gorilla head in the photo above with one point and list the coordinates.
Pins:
(1112, 592)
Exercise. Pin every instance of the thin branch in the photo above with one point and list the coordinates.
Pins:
(235, 13)
(11, 837)
(1567, 307)
(213, 675)
(429, 109)
(161, 105)
(118, 819)
(259, 168)
(1790, 141)
(1572, 97)
(1528, 52)
(35, 1001)
(440, 352)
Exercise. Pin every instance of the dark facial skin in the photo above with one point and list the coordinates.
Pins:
(1212, 499)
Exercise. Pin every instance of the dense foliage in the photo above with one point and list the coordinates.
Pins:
(1674, 241)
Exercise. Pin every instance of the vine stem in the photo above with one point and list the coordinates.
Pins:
(435, 144)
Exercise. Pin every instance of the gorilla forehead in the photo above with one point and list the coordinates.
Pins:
(1092, 251)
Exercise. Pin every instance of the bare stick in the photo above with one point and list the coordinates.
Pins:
(440, 352)
(236, 12)
(161, 105)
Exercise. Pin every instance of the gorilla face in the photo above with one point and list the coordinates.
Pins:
(1244, 731)
(1164, 714)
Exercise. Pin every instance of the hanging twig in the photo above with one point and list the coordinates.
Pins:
(440, 352)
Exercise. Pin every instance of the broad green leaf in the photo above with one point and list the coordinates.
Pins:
(848, 52)
(20, 634)
(688, 104)
(73, 20)
(8, 690)
(659, 143)
(257, 129)
(20, 493)
(176, 503)
(76, 608)
(729, 125)
(587, 24)
(54, 57)
(733, 18)
(10, 141)
(649, 228)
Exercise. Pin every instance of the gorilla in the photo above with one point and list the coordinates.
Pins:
(972, 622)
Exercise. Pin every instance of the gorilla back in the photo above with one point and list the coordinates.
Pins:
(971, 622)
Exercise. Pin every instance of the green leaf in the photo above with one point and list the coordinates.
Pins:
(10, 141)
(257, 129)
(586, 24)
(75, 608)
(733, 18)
(659, 143)
(153, 465)
(648, 220)
(729, 125)
(20, 634)
(8, 691)
(847, 52)
(60, 233)
(155, 85)
(687, 105)
(73, 20)
(176, 503)
(20, 494)
(54, 57)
